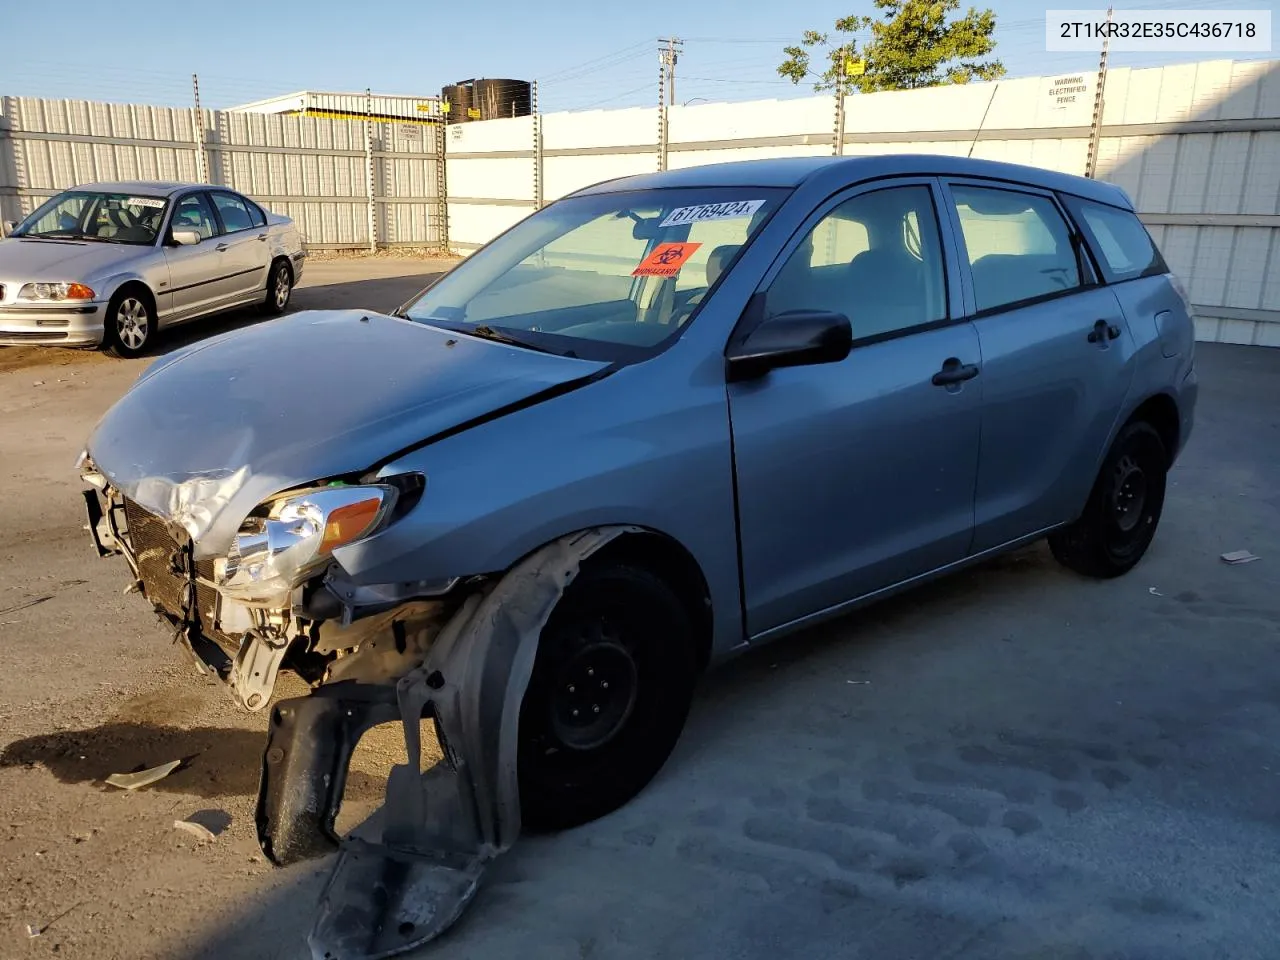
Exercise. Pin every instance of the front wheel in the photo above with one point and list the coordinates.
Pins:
(610, 691)
(279, 288)
(1120, 519)
(130, 325)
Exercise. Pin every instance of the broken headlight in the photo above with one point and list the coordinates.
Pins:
(279, 545)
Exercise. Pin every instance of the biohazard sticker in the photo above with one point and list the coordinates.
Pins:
(666, 260)
(711, 211)
(152, 202)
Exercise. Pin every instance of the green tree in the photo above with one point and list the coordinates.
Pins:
(914, 43)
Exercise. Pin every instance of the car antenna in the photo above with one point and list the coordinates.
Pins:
(977, 133)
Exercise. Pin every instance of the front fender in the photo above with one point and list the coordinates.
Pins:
(645, 447)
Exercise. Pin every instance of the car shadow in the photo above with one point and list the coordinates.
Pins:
(379, 294)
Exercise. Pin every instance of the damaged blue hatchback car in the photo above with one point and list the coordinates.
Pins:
(661, 420)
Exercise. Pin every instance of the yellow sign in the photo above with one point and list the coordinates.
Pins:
(854, 68)
(473, 113)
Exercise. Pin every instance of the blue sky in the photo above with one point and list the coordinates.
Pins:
(584, 52)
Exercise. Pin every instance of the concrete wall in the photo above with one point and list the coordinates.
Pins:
(1197, 146)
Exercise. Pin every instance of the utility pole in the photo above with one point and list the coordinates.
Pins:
(201, 158)
(1095, 128)
(668, 56)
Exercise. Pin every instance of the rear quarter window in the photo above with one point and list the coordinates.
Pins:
(1122, 244)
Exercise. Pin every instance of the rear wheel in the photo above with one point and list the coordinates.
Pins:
(130, 324)
(608, 698)
(1120, 519)
(279, 288)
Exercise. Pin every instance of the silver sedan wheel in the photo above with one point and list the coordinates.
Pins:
(132, 323)
(283, 288)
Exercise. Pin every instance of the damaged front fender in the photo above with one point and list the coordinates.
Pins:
(440, 831)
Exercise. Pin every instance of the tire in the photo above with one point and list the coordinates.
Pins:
(619, 640)
(1124, 508)
(129, 328)
(279, 288)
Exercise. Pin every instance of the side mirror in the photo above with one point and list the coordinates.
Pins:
(186, 238)
(7, 227)
(796, 338)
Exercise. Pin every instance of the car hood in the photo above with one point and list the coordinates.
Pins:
(60, 261)
(208, 433)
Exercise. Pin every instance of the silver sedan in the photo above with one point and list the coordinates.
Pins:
(110, 264)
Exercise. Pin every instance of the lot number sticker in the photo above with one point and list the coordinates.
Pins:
(711, 211)
(145, 202)
(666, 260)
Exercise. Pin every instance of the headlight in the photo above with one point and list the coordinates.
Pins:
(55, 291)
(279, 546)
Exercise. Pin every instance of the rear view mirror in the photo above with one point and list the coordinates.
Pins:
(186, 238)
(793, 339)
(7, 227)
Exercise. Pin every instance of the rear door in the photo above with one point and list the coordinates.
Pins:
(1056, 354)
(856, 475)
(246, 253)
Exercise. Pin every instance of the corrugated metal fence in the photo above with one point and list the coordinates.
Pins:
(348, 184)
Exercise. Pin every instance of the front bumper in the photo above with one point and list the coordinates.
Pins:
(54, 324)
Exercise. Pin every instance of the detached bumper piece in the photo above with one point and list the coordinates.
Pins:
(440, 830)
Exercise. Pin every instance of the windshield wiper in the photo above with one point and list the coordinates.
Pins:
(489, 333)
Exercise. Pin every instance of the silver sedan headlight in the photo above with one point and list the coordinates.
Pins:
(40, 292)
(280, 545)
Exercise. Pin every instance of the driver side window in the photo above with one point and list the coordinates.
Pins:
(876, 258)
(194, 213)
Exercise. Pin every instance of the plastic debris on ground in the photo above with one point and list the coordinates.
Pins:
(1239, 556)
(143, 778)
(197, 830)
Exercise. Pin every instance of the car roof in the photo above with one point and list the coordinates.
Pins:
(795, 171)
(162, 188)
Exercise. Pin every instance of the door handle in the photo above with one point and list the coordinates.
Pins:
(220, 247)
(953, 371)
(262, 237)
(1103, 329)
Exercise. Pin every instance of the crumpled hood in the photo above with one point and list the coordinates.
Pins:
(52, 261)
(209, 432)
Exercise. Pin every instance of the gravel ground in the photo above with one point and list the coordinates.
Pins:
(1012, 763)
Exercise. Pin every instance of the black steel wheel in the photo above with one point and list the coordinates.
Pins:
(1120, 519)
(608, 697)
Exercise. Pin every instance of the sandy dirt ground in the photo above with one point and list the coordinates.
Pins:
(1012, 763)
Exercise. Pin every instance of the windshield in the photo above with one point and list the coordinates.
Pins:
(90, 215)
(609, 277)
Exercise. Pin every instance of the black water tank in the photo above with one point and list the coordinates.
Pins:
(497, 99)
(458, 97)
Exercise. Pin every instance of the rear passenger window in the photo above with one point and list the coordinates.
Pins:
(256, 216)
(876, 258)
(1119, 239)
(1018, 244)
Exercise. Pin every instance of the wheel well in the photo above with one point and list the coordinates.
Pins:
(670, 561)
(1162, 413)
(287, 265)
(142, 289)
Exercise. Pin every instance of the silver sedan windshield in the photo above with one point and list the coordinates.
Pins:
(93, 215)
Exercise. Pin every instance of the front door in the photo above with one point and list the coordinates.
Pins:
(1056, 355)
(196, 283)
(857, 475)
